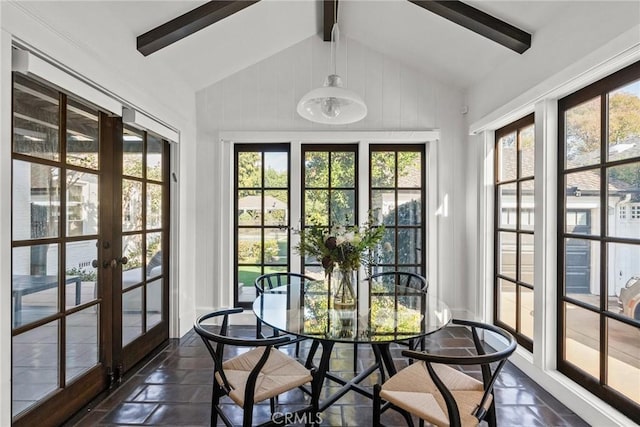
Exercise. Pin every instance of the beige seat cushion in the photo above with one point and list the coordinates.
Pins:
(281, 373)
(413, 390)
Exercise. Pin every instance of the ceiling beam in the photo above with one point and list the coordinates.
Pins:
(329, 6)
(480, 22)
(187, 24)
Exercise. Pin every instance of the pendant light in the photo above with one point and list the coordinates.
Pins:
(332, 104)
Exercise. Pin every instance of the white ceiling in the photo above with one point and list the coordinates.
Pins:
(431, 43)
(396, 28)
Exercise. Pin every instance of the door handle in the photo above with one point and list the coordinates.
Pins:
(114, 262)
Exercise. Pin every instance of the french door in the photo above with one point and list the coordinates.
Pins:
(89, 276)
(142, 304)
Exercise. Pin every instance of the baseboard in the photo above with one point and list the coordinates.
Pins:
(462, 313)
(586, 405)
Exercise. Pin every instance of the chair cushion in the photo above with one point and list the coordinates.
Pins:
(281, 373)
(413, 390)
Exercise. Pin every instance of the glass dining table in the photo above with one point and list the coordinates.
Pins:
(382, 314)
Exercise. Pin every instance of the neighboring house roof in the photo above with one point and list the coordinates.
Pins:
(585, 181)
(590, 180)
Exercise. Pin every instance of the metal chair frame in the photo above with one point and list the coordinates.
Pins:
(483, 359)
(274, 280)
(215, 343)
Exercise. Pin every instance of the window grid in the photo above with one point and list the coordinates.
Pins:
(514, 229)
(623, 212)
(145, 238)
(339, 181)
(603, 243)
(262, 223)
(408, 234)
(327, 200)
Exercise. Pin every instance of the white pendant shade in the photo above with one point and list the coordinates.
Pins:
(332, 104)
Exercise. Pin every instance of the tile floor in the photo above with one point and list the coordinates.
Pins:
(174, 389)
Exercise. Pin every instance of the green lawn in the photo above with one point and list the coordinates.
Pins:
(248, 273)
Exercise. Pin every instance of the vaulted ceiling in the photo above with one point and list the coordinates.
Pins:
(397, 28)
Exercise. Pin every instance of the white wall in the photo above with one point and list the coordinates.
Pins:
(556, 46)
(264, 97)
(141, 86)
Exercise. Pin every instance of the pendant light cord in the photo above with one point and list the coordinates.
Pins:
(335, 36)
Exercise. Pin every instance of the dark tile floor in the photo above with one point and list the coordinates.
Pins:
(174, 389)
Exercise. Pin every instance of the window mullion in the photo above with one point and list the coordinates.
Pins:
(604, 207)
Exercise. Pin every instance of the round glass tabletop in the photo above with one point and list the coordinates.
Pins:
(382, 312)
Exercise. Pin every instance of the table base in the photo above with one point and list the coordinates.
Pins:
(383, 361)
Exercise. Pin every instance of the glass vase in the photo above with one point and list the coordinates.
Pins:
(344, 296)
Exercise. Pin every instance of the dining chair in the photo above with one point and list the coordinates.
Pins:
(261, 373)
(274, 280)
(402, 278)
(437, 393)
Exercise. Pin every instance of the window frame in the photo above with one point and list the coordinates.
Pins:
(421, 267)
(327, 148)
(516, 127)
(600, 89)
(224, 265)
(262, 149)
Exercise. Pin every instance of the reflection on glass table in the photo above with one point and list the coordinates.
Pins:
(383, 313)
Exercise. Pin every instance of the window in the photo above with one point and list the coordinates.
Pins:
(262, 214)
(330, 177)
(328, 186)
(598, 299)
(397, 183)
(623, 212)
(514, 229)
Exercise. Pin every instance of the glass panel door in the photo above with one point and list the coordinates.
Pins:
(57, 318)
(144, 219)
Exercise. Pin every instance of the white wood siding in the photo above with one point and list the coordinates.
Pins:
(264, 97)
